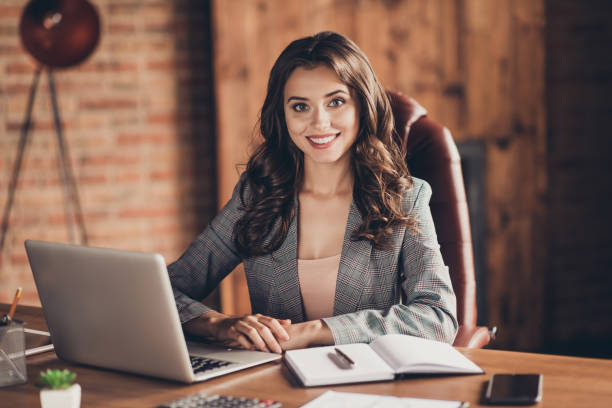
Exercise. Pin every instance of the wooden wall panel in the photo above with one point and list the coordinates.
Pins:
(578, 81)
(476, 65)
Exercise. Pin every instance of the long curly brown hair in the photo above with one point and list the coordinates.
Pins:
(274, 173)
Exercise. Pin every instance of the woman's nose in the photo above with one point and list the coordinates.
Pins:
(321, 118)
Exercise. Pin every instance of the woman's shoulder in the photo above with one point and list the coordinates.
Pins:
(419, 191)
(241, 189)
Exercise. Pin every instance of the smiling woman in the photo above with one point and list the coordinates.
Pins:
(336, 238)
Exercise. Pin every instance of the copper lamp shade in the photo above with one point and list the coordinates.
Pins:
(59, 33)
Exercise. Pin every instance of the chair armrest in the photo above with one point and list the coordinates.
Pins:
(474, 336)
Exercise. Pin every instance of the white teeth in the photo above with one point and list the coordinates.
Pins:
(322, 140)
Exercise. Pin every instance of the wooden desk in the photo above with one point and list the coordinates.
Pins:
(568, 381)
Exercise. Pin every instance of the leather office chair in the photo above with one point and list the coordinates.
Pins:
(431, 155)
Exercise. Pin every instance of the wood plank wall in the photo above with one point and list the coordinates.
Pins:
(579, 84)
(476, 65)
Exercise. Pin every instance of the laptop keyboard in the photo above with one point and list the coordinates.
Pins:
(202, 400)
(201, 364)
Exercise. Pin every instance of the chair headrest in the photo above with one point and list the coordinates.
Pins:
(406, 111)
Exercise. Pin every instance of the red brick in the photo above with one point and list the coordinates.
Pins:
(125, 8)
(109, 66)
(15, 89)
(25, 220)
(109, 159)
(93, 179)
(10, 49)
(167, 118)
(37, 125)
(20, 68)
(127, 139)
(169, 65)
(8, 30)
(128, 178)
(108, 103)
(10, 12)
(173, 27)
(121, 28)
(57, 219)
(159, 175)
(167, 229)
(89, 217)
(80, 87)
(148, 212)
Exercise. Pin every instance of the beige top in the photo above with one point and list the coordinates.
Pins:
(318, 285)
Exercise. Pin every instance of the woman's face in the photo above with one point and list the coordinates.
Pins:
(321, 113)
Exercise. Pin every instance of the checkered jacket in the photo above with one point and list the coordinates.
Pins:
(403, 289)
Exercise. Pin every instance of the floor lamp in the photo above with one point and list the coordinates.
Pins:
(58, 34)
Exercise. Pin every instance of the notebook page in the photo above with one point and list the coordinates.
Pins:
(322, 366)
(409, 354)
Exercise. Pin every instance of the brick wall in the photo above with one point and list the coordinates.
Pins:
(579, 82)
(138, 119)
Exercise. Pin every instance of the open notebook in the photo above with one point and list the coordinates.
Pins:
(382, 360)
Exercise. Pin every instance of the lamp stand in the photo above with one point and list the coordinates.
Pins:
(66, 175)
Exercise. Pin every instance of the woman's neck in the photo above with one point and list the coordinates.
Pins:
(328, 179)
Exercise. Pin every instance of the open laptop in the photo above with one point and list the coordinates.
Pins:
(115, 309)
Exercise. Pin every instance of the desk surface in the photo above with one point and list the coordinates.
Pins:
(568, 381)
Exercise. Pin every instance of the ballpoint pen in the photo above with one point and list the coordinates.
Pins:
(344, 356)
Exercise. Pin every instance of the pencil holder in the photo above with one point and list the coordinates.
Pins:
(12, 354)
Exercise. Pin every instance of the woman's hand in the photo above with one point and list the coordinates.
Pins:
(251, 332)
(311, 333)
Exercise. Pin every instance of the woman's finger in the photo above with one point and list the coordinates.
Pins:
(251, 333)
(243, 342)
(276, 327)
(266, 334)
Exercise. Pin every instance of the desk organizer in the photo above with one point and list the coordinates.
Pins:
(12, 354)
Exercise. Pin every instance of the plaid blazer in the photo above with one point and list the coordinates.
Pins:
(403, 289)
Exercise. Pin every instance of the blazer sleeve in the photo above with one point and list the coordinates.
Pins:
(429, 308)
(209, 259)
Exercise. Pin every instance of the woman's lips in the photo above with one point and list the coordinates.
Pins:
(322, 141)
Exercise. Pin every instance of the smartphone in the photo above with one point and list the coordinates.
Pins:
(514, 389)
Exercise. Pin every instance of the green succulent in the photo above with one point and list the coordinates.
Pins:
(57, 379)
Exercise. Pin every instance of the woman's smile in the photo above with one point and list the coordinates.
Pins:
(322, 141)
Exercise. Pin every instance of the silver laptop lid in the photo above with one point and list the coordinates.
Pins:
(110, 308)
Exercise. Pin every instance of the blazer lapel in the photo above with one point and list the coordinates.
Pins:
(289, 301)
(353, 266)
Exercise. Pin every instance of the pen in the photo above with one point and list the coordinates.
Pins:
(344, 356)
(15, 300)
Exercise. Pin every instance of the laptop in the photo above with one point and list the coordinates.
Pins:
(115, 309)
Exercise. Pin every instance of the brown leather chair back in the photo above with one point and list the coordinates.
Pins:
(432, 155)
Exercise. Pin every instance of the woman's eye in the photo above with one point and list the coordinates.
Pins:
(337, 102)
(300, 107)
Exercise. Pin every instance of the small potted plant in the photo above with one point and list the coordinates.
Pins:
(59, 390)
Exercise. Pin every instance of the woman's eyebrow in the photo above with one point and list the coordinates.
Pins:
(337, 91)
(301, 98)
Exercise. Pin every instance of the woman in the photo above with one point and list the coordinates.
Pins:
(314, 278)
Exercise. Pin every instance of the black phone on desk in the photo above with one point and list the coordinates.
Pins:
(514, 389)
